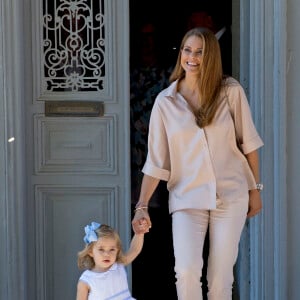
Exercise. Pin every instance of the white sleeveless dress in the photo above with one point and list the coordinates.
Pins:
(109, 285)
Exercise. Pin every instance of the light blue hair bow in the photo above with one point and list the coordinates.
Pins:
(90, 233)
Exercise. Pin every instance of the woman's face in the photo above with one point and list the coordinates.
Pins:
(192, 54)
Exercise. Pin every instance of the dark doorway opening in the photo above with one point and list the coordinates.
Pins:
(156, 29)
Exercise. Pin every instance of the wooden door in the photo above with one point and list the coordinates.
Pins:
(78, 167)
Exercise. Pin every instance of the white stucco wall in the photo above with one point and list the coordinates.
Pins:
(292, 149)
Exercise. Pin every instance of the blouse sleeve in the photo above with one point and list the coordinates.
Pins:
(246, 132)
(158, 157)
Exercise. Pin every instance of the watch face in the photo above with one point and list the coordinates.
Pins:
(259, 186)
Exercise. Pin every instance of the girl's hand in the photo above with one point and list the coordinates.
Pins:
(141, 222)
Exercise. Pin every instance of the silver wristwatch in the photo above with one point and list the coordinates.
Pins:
(259, 186)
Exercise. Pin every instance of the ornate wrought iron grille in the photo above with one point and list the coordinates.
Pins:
(73, 45)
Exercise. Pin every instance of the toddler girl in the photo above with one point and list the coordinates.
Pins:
(104, 263)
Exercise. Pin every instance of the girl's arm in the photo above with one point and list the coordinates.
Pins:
(135, 248)
(82, 290)
(255, 203)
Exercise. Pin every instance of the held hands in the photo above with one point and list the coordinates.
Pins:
(141, 222)
(255, 203)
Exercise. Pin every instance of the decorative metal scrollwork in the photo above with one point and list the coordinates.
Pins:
(73, 45)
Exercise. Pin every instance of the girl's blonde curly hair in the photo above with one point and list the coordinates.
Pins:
(85, 261)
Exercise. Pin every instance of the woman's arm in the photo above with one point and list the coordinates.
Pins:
(255, 203)
(141, 221)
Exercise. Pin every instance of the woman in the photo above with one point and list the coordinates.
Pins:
(194, 127)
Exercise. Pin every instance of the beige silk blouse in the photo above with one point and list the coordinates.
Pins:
(201, 165)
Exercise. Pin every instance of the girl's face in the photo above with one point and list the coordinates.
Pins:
(104, 252)
(191, 55)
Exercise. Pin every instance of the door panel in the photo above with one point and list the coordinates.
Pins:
(75, 145)
(60, 211)
(78, 166)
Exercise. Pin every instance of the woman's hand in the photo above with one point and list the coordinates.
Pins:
(255, 203)
(141, 222)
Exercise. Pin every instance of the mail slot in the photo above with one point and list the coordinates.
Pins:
(74, 109)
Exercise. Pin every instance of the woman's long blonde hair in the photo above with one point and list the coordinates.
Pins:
(210, 76)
